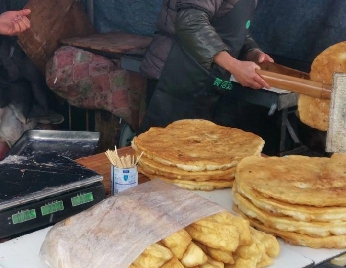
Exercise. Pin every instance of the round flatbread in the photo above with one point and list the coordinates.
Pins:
(334, 241)
(294, 179)
(171, 172)
(296, 212)
(314, 112)
(192, 185)
(197, 145)
(287, 224)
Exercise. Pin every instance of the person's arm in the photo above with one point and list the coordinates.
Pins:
(243, 71)
(14, 22)
(197, 35)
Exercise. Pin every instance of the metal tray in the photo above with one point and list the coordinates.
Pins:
(70, 144)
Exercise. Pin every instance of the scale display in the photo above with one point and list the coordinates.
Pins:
(24, 179)
(37, 191)
(52, 208)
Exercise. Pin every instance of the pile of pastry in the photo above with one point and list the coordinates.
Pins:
(219, 241)
(195, 154)
(301, 199)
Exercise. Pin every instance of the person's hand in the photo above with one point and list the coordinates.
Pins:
(243, 71)
(14, 22)
(258, 56)
(246, 75)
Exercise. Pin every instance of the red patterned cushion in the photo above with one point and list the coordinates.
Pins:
(91, 81)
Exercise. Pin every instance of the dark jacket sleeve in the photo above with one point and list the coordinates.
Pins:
(197, 36)
(248, 46)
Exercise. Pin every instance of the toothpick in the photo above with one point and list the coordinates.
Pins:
(138, 158)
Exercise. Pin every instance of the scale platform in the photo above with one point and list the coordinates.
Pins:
(40, 190)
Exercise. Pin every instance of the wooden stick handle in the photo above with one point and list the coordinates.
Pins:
(297, 85)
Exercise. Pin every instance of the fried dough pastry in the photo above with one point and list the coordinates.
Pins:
(177, 243)
(298, 198)
(192, 185)
(314, 112)
(293, 179)
(312, 228)
(153, 256)
(170, 172)
(334, 241)
(194, 256)
(197, 145)
(214, 235)
(218, 241)
(217, 254)
(173, 263)
(296, 212)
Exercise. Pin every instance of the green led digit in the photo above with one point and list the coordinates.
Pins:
(24, 216)
(82, 199)
(51, 208)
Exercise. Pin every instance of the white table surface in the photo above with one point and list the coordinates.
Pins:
(22, 252)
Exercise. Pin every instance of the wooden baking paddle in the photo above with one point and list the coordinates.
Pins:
(282, 77)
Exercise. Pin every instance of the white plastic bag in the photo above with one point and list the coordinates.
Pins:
(115, 232)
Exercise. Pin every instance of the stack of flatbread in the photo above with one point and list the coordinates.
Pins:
(314, 112)
(195, 154)
(298, 198)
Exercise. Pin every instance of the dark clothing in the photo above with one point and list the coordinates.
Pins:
(190, 21)
(190, 85)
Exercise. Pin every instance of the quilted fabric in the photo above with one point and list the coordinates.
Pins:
(90, 81)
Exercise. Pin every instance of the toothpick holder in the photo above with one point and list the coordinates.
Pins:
(123, 178)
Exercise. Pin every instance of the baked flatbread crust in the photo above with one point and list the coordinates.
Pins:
(197, 145)
(192, 185)
(296, 212)
(333, 241)
(293, 179)
(170, 172)
(287, 224)
(312, 111)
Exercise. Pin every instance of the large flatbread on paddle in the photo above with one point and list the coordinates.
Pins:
(197, 145)
(314, 112)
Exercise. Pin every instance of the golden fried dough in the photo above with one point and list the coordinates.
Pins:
(334, 241)
(217, 254)
(293, 179)
(177, 243)
(297, 212)
(317, 229)
(241, 263)
(270, 243)
(193, 185)
(211, 263)
(245, 237)
(214, 234)
(193, 256)
(197, 145)
(170, 172)
(172, 263)
(153, 256)
(314, 112)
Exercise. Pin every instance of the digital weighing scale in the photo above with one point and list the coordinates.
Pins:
(40, 190)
